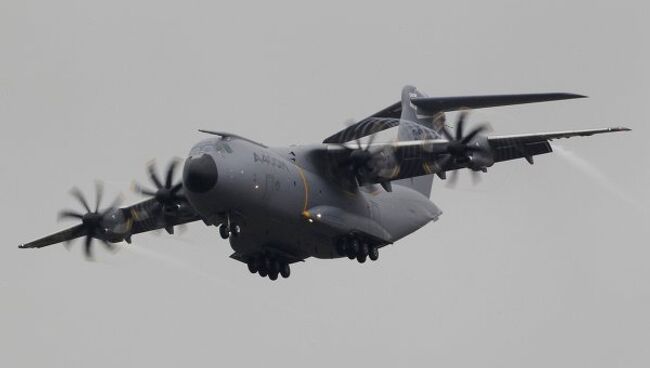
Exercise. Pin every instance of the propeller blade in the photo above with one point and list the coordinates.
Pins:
(476, 177)
(151, 168)
(176, 188)
(70, 214)
(108, 245)
(460, 124)
(170, 173)
(114, 205)
(447, 134)
(87, 247)
(473, 133)
(142, 191)
(75, 192)
(99, 194)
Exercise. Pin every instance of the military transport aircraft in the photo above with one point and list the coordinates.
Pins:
(345, 197)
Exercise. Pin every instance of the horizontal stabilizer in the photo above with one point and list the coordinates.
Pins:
(444, 104)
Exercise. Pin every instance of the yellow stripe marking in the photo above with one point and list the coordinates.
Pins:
(306, 186)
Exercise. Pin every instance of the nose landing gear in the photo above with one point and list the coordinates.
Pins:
(226, 231)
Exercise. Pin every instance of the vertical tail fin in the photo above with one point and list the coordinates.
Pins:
(415, 125)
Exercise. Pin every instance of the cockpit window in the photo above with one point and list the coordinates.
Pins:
(211, 146)
(222, 146)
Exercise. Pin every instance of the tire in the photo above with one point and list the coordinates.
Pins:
(354, 245)
(361, 258)
(224, 232)
(373, 253)
(363, 249)
(285, 270)
(273, 276)
(275, 266)
(262, 272)
(252, 266)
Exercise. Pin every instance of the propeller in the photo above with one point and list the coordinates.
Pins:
(92, 222)
(363, 162)
(461, 150)
(166, 193)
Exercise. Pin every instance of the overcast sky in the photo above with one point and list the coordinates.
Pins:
(538, 266)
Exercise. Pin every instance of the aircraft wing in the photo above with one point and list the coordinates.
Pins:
(400, 160)
(118, 224)
(511, 147)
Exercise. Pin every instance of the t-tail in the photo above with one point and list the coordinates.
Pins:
(423, 117)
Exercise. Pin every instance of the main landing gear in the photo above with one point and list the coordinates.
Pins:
(353, 247)
(226, 231)
(269, 266)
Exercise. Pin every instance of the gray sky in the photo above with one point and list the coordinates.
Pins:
(537, 266)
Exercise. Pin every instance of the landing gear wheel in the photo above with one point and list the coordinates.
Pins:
(373, 253)
(273, 276)
(275, 266)
(262, 272)
(363, 249)
(224, 232)
(354, 246)
(285, 270)
(252, 266)
(361, 258)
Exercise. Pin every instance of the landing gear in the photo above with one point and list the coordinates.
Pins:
(353, 247)
(341, 247)
(285, 270)
(373, 254)
(235, 230)
(252, 266)
(224, 232)
(269, 266)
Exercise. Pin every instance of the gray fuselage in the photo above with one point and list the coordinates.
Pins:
(276, 196)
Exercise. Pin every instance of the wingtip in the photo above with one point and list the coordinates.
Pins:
(574, 95)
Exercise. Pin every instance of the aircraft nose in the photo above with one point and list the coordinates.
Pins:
(200, 174)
